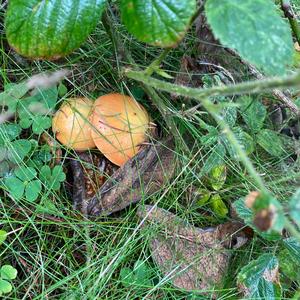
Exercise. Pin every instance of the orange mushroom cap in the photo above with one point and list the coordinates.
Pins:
(120, 126)
(71, 124)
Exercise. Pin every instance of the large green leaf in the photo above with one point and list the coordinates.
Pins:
(293, 245)
(50, 29)
(260, 278)
(244, 139)
(270, 141)
(253, 113)
(295, 207)
(255, 29)
(247, 215)
(158, 22)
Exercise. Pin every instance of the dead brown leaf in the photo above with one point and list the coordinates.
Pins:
(191, 258)
(141, 176)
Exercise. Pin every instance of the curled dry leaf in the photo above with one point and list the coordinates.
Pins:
(141, 176)
(191, 258)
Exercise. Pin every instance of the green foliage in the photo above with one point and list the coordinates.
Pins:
(52, 178)
(289, 266)
(23, 181)
(247, 215)
(139, 276)
(293, 246)
(264, 40)
(271, 142)
(160, 22)
(294, 206)
(7, 273)
(216, 180)
(3, 236)
(259, 279)
(253, 113)
(28, 30)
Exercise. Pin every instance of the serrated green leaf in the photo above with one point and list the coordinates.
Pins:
(5, 286)
(288, 265)
(293, 246)
(247, 215)
(33, 189)
(215, 158)
(230, 115)
(217, 177)
(41, 123)
(245, 140)
(50, 29)
(270, 141)
(253, 113)
(25, 173)
(218, 206)
(15, 187)
(294, 206)
(255, 29)
(260, 278)
(158, 22)
(8, 272)
(3, 236)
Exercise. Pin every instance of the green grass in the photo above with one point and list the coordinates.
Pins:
(60, 254)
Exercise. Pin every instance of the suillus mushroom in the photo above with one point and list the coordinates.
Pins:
(71, 124)
(119, 126)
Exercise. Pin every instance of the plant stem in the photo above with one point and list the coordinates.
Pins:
(156, 63)
(250, 87)
(290, 14)
(210, 107)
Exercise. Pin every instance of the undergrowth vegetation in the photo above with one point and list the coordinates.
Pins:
(49, 250)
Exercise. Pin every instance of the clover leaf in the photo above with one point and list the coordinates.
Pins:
(52, 178)
(23, 181)
(7, 273)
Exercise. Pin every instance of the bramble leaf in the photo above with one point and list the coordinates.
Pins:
(50, 29)
(215, 158)
(158, 22)
(253, 113)
(245, 140)
(255, 29)
(293, 246)
(260, 278)
(295, 207)
(270, 141)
